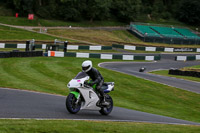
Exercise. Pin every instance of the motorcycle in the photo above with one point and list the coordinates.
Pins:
(82, 96)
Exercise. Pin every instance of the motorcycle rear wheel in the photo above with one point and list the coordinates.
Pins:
(107, 109)
(71, 105)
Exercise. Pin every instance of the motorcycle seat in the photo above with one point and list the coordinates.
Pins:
(108, 83)
(104, 87)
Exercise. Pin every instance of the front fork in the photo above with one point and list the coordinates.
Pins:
(77, 95)
(78, 99)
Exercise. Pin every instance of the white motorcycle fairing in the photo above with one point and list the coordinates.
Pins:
(90, 97)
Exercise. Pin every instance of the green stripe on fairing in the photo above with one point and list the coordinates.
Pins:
(94, 86)
(76, 94)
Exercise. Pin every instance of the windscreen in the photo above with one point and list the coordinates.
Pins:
(81, 75)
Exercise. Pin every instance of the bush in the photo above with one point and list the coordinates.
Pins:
(166, 15)
(4, 11)
(189, 12)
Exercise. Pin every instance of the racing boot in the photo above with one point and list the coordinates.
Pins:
(104, 102)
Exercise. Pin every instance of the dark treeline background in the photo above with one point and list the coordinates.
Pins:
(187, 11)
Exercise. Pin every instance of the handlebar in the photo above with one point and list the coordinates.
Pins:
(85, 85)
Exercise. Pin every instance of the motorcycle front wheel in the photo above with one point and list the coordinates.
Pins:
(71, 104)
(107, 109)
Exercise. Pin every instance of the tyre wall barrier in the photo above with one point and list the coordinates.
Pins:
(69, 47)
(184, 73)
(162, 49)
(102, 56)
(21, 54)
(187, 58)
(4, 54)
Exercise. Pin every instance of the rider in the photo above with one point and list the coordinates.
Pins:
(96, 78)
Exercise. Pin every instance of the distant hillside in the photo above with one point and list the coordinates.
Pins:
(186, 11)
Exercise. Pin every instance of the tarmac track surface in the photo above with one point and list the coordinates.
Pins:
(132, 68)
(27, 104)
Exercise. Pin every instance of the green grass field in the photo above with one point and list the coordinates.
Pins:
(8, 33)
(65, 126)
(51, 75)
(22, 21)
(165, 73)
(103, 37)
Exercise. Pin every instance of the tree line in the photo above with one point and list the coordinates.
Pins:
(121, 10)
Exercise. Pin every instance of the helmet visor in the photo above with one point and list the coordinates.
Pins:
(85, 68)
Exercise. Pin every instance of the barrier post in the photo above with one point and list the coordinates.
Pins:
(32, 46)
(65, 46)
(47, 48)
(61, 42)
(27, 45)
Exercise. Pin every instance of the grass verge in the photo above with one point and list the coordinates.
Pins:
(165, 73)
(11, 49)
(193, 68)
(51, 75)
(63, 126)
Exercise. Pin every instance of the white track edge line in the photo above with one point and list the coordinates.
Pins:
(104, 120)
(31, 91)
